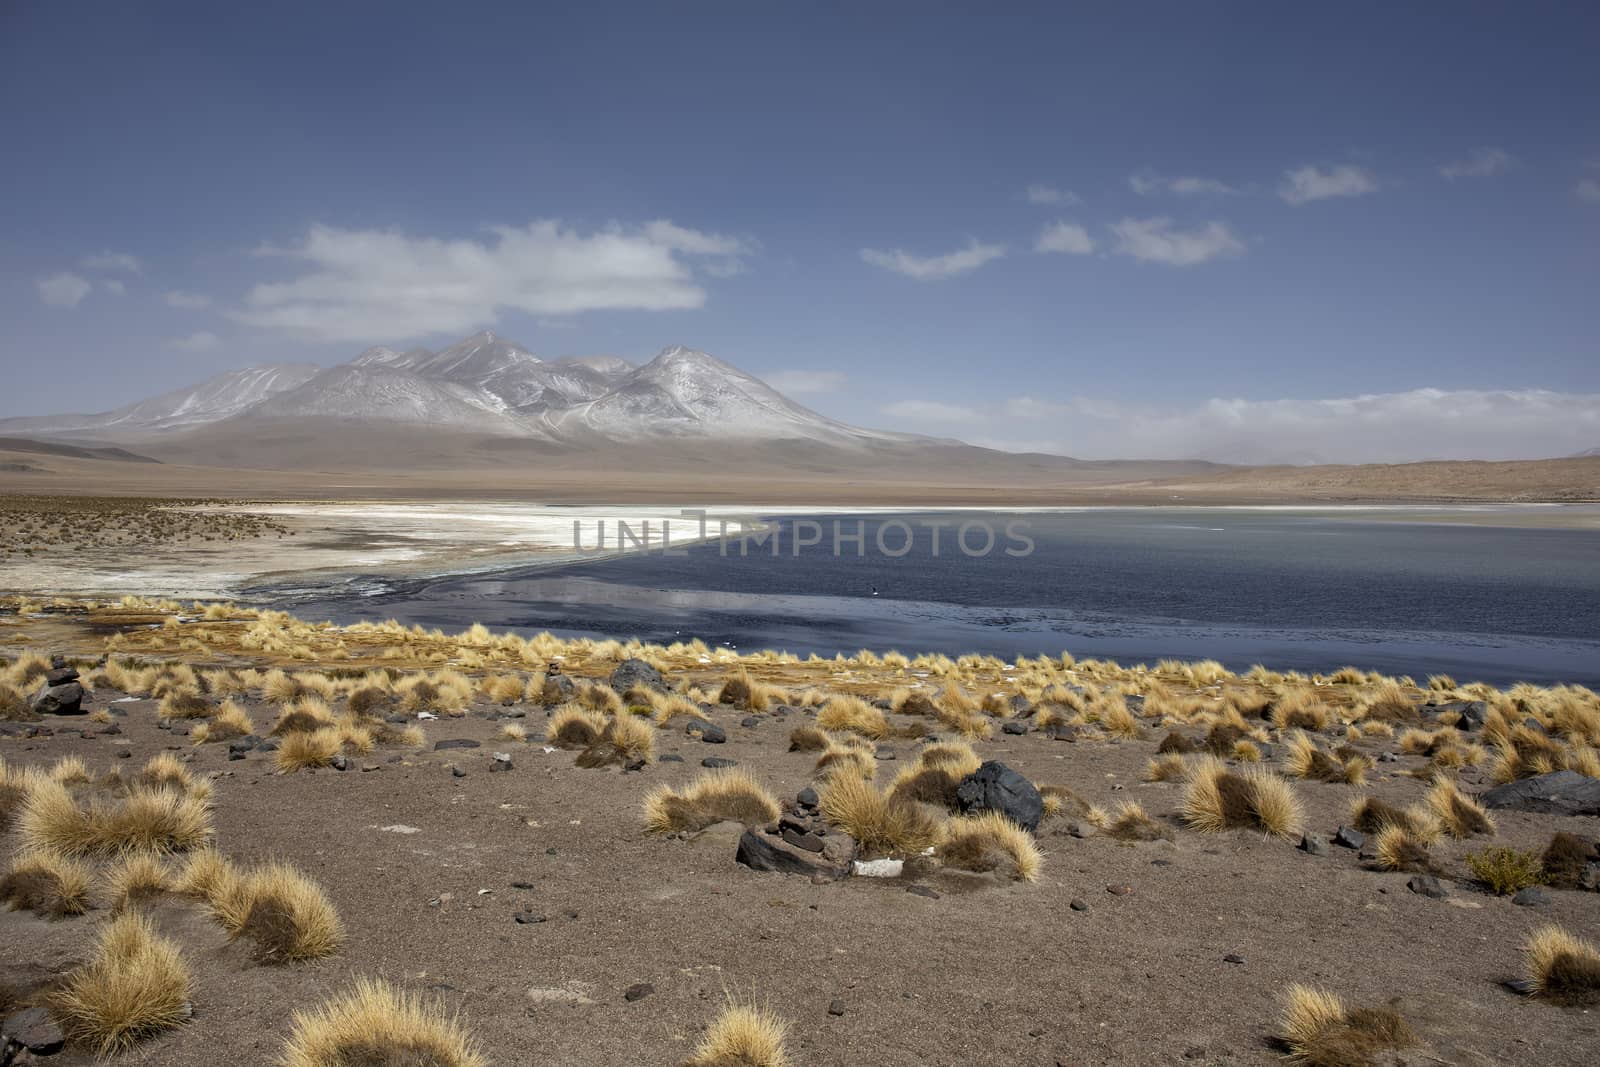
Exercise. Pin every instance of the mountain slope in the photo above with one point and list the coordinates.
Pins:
(212, 400)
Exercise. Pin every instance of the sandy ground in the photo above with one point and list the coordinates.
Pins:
(983, 973)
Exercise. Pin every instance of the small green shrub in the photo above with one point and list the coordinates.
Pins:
(1506, 870)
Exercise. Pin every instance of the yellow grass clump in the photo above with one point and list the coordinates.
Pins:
(847, 713)
(138, 878)
(229, 722)
(287, 915)
(1400, 848)
(624, 740)
(1562, 968)
(1458, 814)
(376, 1024)
(990, 842)
(1318, 1030)
(574, 727)
(729, 794)
(159, 820)
(135, 986)
(1305, 760)
(742, 1036)
(1216, 799)
(301, 751)
(48, 884)
(883, 825)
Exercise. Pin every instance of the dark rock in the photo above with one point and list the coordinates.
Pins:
(396, 720)
(996, 787)
(457, 772)
(61, 676)
(455, 742)
(749, 721)
(1061, 732)
(715, 762)
(1388, 757)
(527, 918)
(923, 891)
(638, 991)
(1079, 904)
(1427, 885)
(836, 1007)
(59, 700)
(1020, 705)
(34, 1030)
(1531, 897)
(111, 731)
(500, 762)
(670, 757)
(636, 673)
(635, 765)
(1233, 957)
(339, 762)
(1313, 844)
(1349, 837)
(808, 841)
(709, 732)
(762, 853)
(1015, 727)
(268, 745)
(1556, 793)
(807, 798)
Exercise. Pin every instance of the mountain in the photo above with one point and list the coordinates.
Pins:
(212, 400)
(1588, 453)
(488, 385)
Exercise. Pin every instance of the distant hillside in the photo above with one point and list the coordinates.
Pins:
(53, 448)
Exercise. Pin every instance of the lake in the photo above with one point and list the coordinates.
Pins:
(1498, 595)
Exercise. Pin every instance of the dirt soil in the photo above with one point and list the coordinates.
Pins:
(1186, 966)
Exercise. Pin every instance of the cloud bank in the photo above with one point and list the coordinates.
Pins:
(934, 268)
(368, 285)
(1306, 184)
(1418, 424)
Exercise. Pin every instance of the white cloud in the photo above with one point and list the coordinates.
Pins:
(1149, 183)
(1066, 237)
(1587, 189)
(371, 285)
(933, 268)
(177, 298)
(1050, 194)
(1156, 240)
(800, 382)
(1419, 424)
(933, 411)
(1480, 163)
(114, 287)
(1305, 184)
(109, 260)
(63, 290)
(199, 341)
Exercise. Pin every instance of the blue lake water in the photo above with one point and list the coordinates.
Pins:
(1402, 592)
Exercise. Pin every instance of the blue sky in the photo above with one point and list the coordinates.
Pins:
(1243, 231)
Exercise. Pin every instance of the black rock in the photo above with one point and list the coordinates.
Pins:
(268, 745)
(1349, 837)
(1556, 793)
(527, 918)
(1233, 957)
(836, 1007)
(1014, 727)
(808, 841)
(996, 787)
(762, 853)
(457, 772)
(34, 1030)
(670, 757)
(715, 762)
(638, 991)
(923, 891)
(749, 721)
(1531, 897)
(66, 699)
(709, 732)
(1079, 904)
(807, 798)
(636, 673)
(61, 676)
(1428, 886)
(455, 742)
(1061, 732)
(1313, 844)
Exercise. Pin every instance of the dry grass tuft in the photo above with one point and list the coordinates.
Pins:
(301, 751)
(574, 727)
(730, 794)
(229, 722)
(625, 740)
(287, 915)
(742, 1036)
(846, 713)
(184, 704)
(843, 759)
(927, 785)
(990, 842)
(160, 820)
(1168, 768)
(1305, 760)
(1506, 870)
(51, 886)
(1458, 814)
(1133, 823)
(1371, 815)
(375, 1025)
(138, 879)
(881, 824)
(807, 739)
(1319, 1031)
(1402, 849)
(135, 986)
(1217, 799)
(1566, 857)
(957, 757)
(1562, 968)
